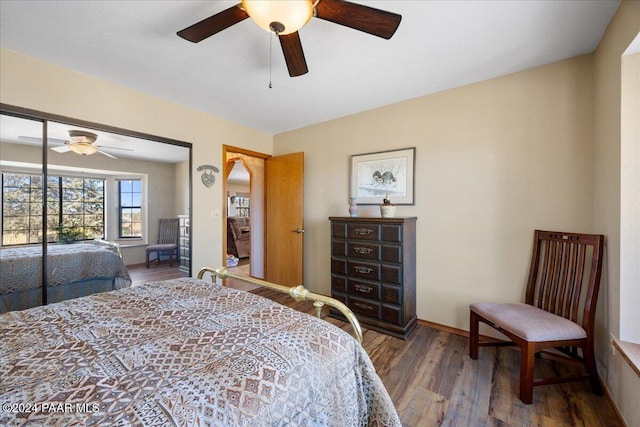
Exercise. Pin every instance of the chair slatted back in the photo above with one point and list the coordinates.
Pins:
(565, 275)
(168, 231)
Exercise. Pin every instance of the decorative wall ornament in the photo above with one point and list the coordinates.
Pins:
(208, 178)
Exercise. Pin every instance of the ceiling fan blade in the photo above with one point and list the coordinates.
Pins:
(213, 24)
(359, 17)
(114, 148)
(107, 154)
(293, 54)
(39, 140)
(61, 149)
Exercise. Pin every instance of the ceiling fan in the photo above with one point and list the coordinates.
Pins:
(80, 142)
(286, 17)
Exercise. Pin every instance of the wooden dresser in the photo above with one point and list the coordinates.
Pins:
(184, 244)
(373, 271)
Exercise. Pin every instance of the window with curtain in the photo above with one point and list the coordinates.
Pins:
(130, 207)
(75, 208)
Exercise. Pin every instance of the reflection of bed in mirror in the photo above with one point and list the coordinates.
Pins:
(187, 352)
(73, 271)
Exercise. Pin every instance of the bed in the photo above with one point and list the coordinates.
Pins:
(184, 352)
(73, 271)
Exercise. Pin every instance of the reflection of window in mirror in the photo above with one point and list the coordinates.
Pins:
(130, 208)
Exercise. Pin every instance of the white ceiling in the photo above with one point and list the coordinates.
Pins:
(14, 130)
(439, 45)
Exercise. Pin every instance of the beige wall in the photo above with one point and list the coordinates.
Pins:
(625, 25)
(494, 161)
(630, 199)
(182, 188)
(233, 188)
(34, 84)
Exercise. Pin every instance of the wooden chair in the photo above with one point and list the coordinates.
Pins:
(559, 308)
(167, 241)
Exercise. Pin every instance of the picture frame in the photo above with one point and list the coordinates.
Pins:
(384, 174)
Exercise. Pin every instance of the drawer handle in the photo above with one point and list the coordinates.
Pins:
(365, 306)
(362, 269)
(364, 289)
(363, 231)
(363, 251)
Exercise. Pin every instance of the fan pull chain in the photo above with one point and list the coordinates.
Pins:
(270, 58)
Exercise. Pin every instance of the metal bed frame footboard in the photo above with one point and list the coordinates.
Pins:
(298, 293)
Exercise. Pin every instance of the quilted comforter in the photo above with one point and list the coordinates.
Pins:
(184, 352)
(22, 266)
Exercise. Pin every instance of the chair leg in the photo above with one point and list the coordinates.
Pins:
(147, 259)
(527, 362)
(473, 334)
(592, 370)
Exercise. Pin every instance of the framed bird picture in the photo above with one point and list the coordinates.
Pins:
(383, 175)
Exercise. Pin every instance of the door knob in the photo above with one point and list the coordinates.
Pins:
(299, 230)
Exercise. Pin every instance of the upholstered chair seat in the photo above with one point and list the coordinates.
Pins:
(528, 322)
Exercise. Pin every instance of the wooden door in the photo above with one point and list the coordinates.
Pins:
(284, 231)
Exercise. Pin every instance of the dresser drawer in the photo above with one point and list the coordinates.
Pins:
(363, 231)
(339, 230)
(392, 274)
(391, 294)
(338, 283)
(338, 248)
(364, 270)
(391, 253)
(391, 233)
(338, 266)
(364, 289)
(392, 314)
(364, 306)
(364, 250)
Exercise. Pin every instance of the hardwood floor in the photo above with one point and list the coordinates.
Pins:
(156, 271)
(433, 382)
(161, 271)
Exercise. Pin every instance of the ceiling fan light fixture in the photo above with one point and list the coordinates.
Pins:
(83, 148)
(82, 136)
(281, 16)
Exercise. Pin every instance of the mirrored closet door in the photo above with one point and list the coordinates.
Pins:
(97, 183)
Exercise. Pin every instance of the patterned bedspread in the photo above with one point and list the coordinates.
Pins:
(184, 352)
(22, 267)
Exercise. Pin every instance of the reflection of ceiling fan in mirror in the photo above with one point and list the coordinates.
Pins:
(80, 142)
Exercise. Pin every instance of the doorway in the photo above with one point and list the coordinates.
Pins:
(276, 213)
(244, 209)
(239, 218)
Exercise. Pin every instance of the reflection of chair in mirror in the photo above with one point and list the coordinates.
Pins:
(559, 309)
(167, 241)
(238, 236)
